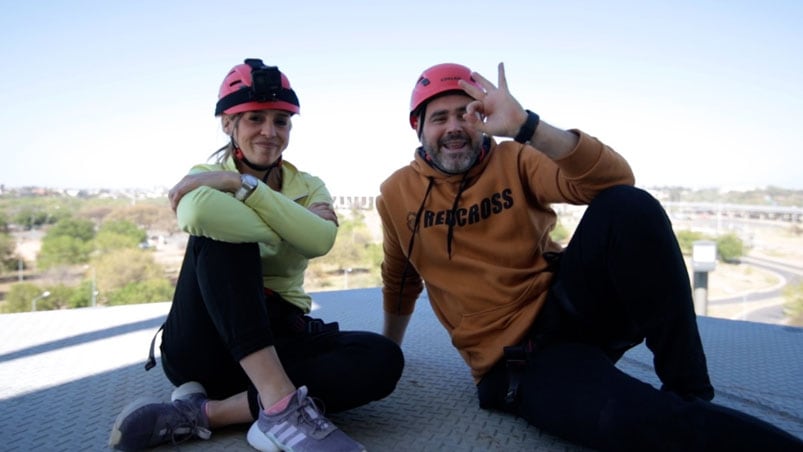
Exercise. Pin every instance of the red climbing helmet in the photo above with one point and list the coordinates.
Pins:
(434, 81)
(254, 86)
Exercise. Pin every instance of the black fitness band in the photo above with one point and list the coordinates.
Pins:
(528, 128)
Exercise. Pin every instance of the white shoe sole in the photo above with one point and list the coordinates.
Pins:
(190, 387)
(260, 441)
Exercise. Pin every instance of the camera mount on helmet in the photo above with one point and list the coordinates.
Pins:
(253, 86)
(267, 81)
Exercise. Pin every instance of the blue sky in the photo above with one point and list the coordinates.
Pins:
(121, 94)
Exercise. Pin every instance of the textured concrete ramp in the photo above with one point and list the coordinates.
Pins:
(64, 376)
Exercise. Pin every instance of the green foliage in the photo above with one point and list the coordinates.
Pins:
(793, 306)
(686, 240)
(149, 216)
(29, 218)
(351, 246)
(730, 247)
(83, 230)
(119, 234)
(149, 291)
(560, 233)
(8, 255)
(81, 296)
(58, 298)
(63, 250)
(68, 242)
(118, 269)
(21, 296)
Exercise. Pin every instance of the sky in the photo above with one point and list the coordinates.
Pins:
(121, 94)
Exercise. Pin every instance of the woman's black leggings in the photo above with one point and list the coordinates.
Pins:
(622, 280)
(221, 313)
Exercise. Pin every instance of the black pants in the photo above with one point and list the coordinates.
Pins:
(620, 281)
(220, 314)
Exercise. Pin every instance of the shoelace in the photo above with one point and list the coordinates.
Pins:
(310, 415)
(183, 431)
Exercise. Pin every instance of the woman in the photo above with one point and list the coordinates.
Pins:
(238, 342)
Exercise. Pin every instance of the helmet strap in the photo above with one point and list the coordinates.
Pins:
(274, 179)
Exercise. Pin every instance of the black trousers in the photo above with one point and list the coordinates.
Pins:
(221, 313)
(620, 281)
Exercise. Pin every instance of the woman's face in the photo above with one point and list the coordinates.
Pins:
(261, 135)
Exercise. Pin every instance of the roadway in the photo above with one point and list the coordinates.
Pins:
(765, 306)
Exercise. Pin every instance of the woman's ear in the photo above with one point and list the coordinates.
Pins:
(227, 124)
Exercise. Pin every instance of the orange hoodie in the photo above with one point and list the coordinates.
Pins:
(480, 238)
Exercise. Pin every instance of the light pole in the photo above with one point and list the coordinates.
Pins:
(704, 260)
(45, 294)
(346, 272)
(94, 290)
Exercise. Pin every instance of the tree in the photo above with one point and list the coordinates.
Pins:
(21, 296)
(686, 240)
(68, 242)
(8, 255)
(118, 234)
(30, 217)
(120, 269)
(63, 250)
(83, 230)
(147, 216)
(81, 296)
(58, 298)
(150, 291)
(350, 248)
(3, 222)
(730, 247)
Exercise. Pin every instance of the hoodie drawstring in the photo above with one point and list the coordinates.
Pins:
(412, 239)
(450, 232)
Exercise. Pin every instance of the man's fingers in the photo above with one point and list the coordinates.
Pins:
(482, 81)
(471, 90)
(502, 78)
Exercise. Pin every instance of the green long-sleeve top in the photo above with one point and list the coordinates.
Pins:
(287, 232)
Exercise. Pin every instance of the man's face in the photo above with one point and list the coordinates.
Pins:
(447, 138)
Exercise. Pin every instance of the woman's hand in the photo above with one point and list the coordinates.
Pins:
(325, 211)
(228, 181)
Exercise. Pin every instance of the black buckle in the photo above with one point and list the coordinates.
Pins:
(516, 361)
(315, 326)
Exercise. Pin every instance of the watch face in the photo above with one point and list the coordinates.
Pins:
(247, 185)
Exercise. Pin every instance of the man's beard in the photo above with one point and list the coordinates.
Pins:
(453, 163)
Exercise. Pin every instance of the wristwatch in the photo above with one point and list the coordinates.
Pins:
(248, 184)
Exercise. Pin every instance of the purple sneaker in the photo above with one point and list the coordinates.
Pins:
(299, 428)
(148, 422)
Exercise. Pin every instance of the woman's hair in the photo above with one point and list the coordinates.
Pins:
(222, 154)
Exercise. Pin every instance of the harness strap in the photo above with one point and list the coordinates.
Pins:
(151, 362)
(516, 361)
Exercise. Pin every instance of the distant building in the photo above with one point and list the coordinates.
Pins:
(354, 202)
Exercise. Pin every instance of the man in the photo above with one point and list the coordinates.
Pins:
(541, 327)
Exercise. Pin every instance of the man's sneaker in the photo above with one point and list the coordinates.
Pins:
(299, 428)
(148, 422)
